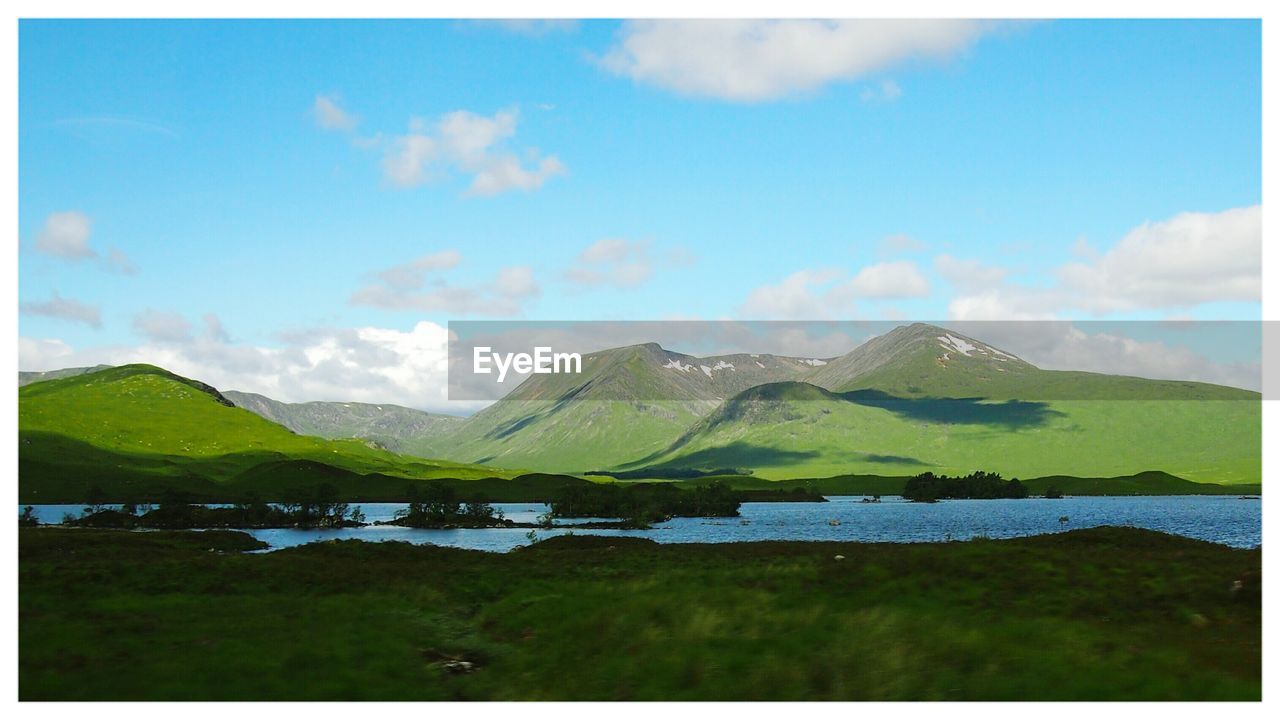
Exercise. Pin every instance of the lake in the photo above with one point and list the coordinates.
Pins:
(1224, 519)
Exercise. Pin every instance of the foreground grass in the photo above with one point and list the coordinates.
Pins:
(1107, 613)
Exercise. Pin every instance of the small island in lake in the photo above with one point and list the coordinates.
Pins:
(981, 485)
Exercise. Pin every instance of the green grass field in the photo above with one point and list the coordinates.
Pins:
(1100, 614)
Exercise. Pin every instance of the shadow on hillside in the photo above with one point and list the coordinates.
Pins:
(740, 454)
(1010, 414)
(892, 459)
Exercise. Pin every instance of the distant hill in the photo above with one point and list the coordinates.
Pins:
(28, 377)
(391, 426)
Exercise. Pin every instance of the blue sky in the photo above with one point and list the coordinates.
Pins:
(263, 173)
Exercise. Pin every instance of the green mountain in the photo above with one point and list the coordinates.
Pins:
(922, 360)
(138, 430)
(922, 398)
(918, 398)
(391, 426)
(626, 403)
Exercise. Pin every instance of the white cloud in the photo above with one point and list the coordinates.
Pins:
(1003, 303)
(802, 295)
(411, 275)
(405, 165)
(968, 275)
(64, 309)
(405, 287)
(505, 172)
(1189, 259)
(366, 364)
(331, 116)
(43, 354)
(613, 261)
(119, 263)
(1105, 347)
(213, 329)
(66, 235)
(757, 60)
(162, 327)
(472, 145)
(1173, 265)
(900, 279)
(829, 293)
(621, 263)
(516, 282)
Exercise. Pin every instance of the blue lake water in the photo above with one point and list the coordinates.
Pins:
(1224, 519)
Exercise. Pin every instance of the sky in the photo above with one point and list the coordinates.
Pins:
(300, 208)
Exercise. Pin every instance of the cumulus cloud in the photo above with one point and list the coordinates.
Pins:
(1189, 259)
(1172, 265)
(365, 364)
(621, 263)
(62, 308)
(886, 280)
(162, 327)
(758, 60)
(330, 115)
(213, 329)
(1108, 347)
(829, 293)
(411, 275)
(469, 144)
(66, 234)
(419, 285)
(802, 295)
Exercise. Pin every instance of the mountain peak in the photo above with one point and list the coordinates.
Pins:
(919, 358)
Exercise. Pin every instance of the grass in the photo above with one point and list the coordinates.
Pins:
(825, 434)
(142, 428)
(1106, 613)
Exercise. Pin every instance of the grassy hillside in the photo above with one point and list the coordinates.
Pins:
(793, 430)
(626, 403)
(141, 428)
(390, 426)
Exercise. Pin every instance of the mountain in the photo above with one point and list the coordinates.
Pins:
(391, 426)
(922, 360)
(923, 398)
(139, 430)
(627, 402)
(28, 377)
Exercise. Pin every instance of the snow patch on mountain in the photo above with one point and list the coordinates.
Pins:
(674, 364)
